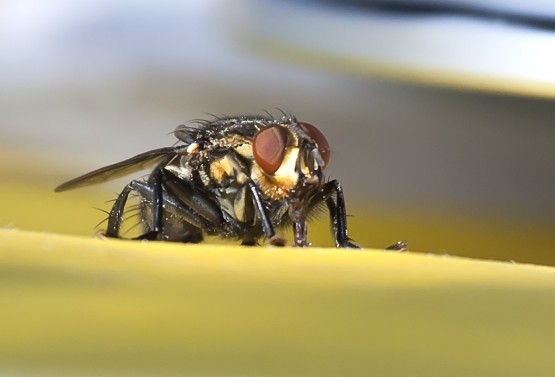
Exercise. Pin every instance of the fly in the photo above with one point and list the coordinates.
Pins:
(235, 177)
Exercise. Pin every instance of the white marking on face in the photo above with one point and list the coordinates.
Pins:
(287, 175)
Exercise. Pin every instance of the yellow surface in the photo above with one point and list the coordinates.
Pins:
(91, 305)
(80, 305)
(32, 205)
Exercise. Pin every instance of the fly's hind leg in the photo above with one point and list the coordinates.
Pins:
(115, 217)
(181, 224)
(177, 221)
(184, 226)
(187, 212)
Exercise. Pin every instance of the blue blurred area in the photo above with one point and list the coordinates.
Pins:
(57, 39)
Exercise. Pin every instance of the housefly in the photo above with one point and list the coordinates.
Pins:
(237, 177)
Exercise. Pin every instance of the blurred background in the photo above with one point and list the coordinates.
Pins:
(440, 114)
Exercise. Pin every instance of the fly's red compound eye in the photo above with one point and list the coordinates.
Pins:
(320, 139)
(269, 146)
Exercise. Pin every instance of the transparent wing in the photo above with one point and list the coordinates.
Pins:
(120, 169)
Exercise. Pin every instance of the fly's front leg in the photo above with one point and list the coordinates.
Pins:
(261, 211)
(298, 214)
(338, 213)
(300, 234)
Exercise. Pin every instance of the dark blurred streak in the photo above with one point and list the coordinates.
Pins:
(438, 8)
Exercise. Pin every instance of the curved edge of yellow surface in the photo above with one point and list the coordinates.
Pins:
(95, 305)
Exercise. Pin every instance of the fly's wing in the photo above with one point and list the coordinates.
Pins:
(120, 169)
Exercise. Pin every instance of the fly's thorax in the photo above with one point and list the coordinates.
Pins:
(216, 162)
(224, 170)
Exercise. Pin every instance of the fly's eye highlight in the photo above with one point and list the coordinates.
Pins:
(269, 147)
(319, 139)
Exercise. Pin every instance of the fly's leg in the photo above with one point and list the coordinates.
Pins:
(209, 215)
(278, 240)
(115, 217)
(249, 242)
(193, 222)
(261, 211)
(157, 205)
(300, 233)
(152, 192)
(338, 213)
(116, 214)
(298, 210)
(399, 246)
(181, 223)
(162, 193)
(180, 200)
(203, 210)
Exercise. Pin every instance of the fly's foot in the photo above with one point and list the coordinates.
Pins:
(278, 240)
(349, 245)
(249, 242)
(148, 236)
(399, 246)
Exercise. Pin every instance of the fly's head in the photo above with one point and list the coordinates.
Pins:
(289, 160)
